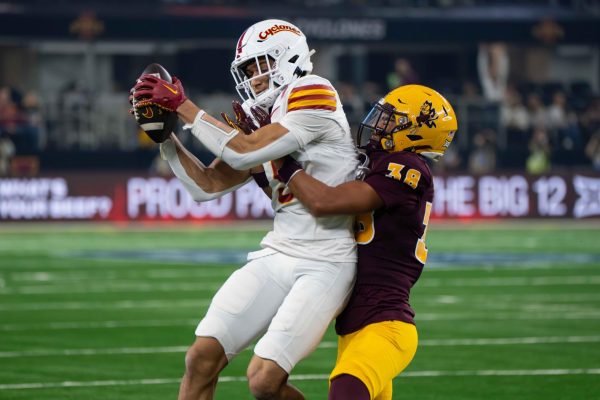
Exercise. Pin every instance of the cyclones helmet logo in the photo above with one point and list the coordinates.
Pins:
(264, 35)
(427, 115)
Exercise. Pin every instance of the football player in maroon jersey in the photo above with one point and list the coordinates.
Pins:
(392, 198)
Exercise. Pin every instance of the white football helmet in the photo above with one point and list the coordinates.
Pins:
(283, 45)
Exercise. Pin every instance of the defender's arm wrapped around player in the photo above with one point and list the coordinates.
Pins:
(321, 199)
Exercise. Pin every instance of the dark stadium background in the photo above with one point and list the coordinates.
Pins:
(106, 264)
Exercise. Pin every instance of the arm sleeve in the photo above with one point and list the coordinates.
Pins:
(306, 126)
(169, 153)
(303, 126)
(284, 145)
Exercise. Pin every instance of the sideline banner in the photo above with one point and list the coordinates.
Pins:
(122, 197)
(517, 196)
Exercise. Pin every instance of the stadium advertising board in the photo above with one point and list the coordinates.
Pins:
(517, 196)
(119, 197)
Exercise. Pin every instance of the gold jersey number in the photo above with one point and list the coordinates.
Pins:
(411, 178)
(364, 230)
(365, 223)
(421, 249)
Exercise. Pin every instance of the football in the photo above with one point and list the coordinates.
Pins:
(157, 122)
(159, 71)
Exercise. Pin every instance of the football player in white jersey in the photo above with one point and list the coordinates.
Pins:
(292, 288)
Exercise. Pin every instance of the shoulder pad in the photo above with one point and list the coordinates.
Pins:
(311, 93)
(310, 80)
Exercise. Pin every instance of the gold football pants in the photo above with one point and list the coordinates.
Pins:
(376, 354)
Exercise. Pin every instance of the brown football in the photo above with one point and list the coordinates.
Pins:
(157, 122)
(159, 71)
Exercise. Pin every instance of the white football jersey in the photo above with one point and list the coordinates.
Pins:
(311, 110)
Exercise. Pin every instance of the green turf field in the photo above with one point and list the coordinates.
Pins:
(503, 311)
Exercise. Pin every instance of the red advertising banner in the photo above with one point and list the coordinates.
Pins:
(121, 197)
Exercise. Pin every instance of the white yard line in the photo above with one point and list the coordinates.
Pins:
(506, 316)
(510, 341)
(114, 287)
(435, 267)
(495, 301)
(518, 372)
(312, 377)
(421, 317)
(67, 384)
(120, 274)
(89, 305)
(93, 352)
(99, 324)
(512, 281)
(198, 303)
(533, 297)
(66, 276)
(322, 345)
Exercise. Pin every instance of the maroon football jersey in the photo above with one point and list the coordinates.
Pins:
(391, 247)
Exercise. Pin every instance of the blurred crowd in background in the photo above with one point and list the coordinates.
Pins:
(508, 119)
(518, 125)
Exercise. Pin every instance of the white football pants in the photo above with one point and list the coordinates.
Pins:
(293, 300)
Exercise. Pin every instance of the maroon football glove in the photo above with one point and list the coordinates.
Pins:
(243, 122)
(157, 121)
(152, 90)
(261, 116)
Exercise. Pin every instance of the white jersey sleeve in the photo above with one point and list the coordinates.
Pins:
(280, 147)
(305, 126)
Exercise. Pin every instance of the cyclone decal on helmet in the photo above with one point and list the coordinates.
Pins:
(275, 29)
